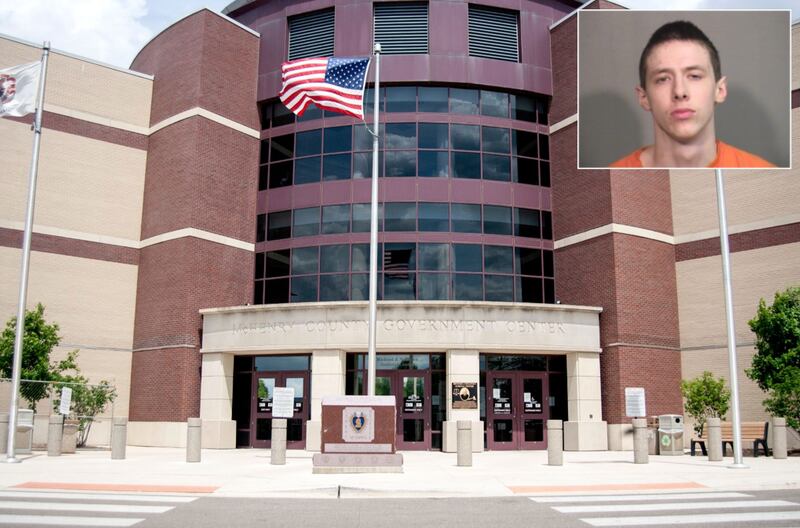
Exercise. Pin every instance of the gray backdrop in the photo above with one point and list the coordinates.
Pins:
(754, 50)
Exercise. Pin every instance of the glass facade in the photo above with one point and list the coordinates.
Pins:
(407, 271)
(444, 134)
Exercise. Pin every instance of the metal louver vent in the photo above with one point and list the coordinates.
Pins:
(311, 35)
(402, 28)
(493, 34)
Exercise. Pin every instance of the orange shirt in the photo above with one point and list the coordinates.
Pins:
(727, 157)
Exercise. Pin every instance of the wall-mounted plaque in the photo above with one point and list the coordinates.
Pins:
(465, 395)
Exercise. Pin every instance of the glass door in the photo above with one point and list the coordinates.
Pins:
(516, 410)
(532, 421)
(411, 389)
(500, 411)
(261, 417)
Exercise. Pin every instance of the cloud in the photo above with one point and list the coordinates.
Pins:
(110, 31)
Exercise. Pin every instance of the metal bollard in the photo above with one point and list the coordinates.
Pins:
(779, 438)
(119, 438)
(464, 443)
(193, 439)
(278, 449)
(54, 432)
(640, 444)
(714, 439)
(3, 433)
(555, 443)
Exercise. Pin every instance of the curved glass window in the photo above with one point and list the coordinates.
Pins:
(407, 271)
(305, 222)
(336, 219)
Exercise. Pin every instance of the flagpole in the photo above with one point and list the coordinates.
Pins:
(726, 281)
(373, 233)
(26, 256)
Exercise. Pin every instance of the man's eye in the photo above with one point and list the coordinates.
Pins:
(695, 76)
(662, 79)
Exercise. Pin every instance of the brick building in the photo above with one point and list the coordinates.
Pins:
(201, 245)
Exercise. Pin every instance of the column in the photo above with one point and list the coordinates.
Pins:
(327, 379)
(216, 401)
(463, 366)
(585, 430)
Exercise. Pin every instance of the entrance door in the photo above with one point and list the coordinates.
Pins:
(412, 392)
(264, 384)
(516, 410)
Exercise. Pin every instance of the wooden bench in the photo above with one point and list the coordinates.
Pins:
(755, 432)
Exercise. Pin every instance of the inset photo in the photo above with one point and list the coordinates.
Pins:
(684, 89)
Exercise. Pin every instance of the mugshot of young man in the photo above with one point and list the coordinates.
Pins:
(680, 84)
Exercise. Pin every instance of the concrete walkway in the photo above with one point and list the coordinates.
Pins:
(248, 473)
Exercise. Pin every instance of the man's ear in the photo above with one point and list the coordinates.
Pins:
(721, 90)
(642, 96)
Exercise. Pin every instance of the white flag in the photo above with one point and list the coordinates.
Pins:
(18, 87)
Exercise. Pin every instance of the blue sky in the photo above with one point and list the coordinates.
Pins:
(113, 31)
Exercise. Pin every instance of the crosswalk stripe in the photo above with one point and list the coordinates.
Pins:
(674, 506)
(16, 520)
(71, 506)
(635, 497)
(694, 519)
(95, 496)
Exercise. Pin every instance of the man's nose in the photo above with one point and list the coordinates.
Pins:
(679, 92)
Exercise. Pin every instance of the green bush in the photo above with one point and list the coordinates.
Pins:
(705, 397)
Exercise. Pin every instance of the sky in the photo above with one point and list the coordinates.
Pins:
(113, 31)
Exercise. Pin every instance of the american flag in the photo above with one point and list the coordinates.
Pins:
(332, 83)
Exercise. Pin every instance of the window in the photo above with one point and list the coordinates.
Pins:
(466, 218)
(432, 99)
(434, 216)
(401, 28)
(311, 35)
(401, 99)
(333, 258)
(261, 227)
(304, 260)
(493, 33)
(526, 222)
(279, 225)
(305, 222)
(400, 216)
(336, 219)
(434, 257)
(496, 220)
(277, 264)
(433, 136)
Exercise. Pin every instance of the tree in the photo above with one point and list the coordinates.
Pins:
(706, 397)
(87, 402)
(38, 342)
(776, 365)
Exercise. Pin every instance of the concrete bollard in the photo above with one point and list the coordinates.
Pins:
(3, 433)
(119, 438)
(779, 438)
(555, 443)
(464, 443)
(714, 439)
(278, 446)
(54, 431)
(193, 439)
(640, 444)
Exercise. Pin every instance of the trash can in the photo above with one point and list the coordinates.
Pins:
(670, 434)
(652, 435)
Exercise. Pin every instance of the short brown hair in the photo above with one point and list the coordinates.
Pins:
(678, 30)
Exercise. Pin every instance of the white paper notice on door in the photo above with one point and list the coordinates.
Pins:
(526, 396)
(495, 393)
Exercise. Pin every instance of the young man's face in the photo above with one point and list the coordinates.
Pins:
(680, 90)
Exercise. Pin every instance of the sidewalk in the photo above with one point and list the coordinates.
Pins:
(248, 473)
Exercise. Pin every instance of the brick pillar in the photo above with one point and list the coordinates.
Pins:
(614, 249)
(198, 219)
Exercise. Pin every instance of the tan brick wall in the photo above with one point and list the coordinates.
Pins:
(92, 301)
(85, 87)
(84, 185)
(715, 360)
(694, 196)
(755, 274)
